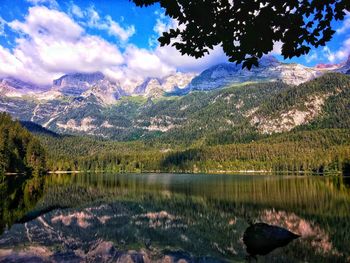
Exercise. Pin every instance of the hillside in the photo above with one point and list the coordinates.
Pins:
(257, 126)
(316, 151)
(19, 150)
(239, 113)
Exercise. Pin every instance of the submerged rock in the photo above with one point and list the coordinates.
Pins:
(261, 238)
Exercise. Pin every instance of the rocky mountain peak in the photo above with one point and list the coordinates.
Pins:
(77, 83)
(155, 87)
(17, 83)
(346, 67)
(107, 92)
(270, 69)
(79, 77)
(348, 61)
(13, 87)
(268, 61)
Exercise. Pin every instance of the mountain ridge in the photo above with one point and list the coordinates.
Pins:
(170, 108)
(217, 76)
(242, 112)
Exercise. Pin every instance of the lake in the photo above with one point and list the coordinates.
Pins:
(170, 217)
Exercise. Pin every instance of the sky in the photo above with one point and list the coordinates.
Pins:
(40, 40)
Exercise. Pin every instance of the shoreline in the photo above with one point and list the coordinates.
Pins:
(211, 172)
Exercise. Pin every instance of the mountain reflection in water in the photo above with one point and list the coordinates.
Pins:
(168, 218)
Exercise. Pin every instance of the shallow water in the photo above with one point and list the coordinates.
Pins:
(169, 217)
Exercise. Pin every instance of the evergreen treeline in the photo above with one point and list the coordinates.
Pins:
(20, 151)
(318, 151)
(212, 134)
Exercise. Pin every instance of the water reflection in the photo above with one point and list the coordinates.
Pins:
(19, 195)
(172, 217)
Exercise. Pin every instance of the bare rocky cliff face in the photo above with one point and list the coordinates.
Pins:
(155, 87)
(270, 69)
(12, 87)
(77, 83)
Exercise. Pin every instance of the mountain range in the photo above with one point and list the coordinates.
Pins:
(224, 99)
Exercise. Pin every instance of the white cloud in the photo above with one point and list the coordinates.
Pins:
(144, 63)
(42, 22)
(76, 11)
(185, 63)
(51, 44)
(340, 55)
(345, 28)
(114, 29)
(94, 20)
(2, 26)
(163, 24)
(93, 17)
(277, 48)
(172, 57)
(311, 57)
(9, 63)
(50, 3)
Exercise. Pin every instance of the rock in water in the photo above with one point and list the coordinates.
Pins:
(261, 238)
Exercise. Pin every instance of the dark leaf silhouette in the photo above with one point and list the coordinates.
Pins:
(247, 30)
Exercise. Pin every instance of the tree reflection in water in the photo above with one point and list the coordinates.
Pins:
(172, 217)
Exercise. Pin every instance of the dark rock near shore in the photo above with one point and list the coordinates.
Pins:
(261, 238)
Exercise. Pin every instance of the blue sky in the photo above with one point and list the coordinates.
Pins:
(43, 39)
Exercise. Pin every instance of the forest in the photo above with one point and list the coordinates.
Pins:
(204, 143)
(318, 152)
(20, 151)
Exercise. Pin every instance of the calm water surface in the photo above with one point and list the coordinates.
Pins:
(169, 218)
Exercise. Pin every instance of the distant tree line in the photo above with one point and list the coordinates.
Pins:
(316, 151)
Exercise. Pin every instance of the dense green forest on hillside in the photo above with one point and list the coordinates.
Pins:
(204, 143)
(20, 151)
(214, 134)
(318, 151)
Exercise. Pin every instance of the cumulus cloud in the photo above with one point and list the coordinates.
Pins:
(91, 18)
(42, 22)
(114, 29)
(51, 44)
(341, 54)
(185, 63)
(76, 11)
(345, 28)
(144, 63)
